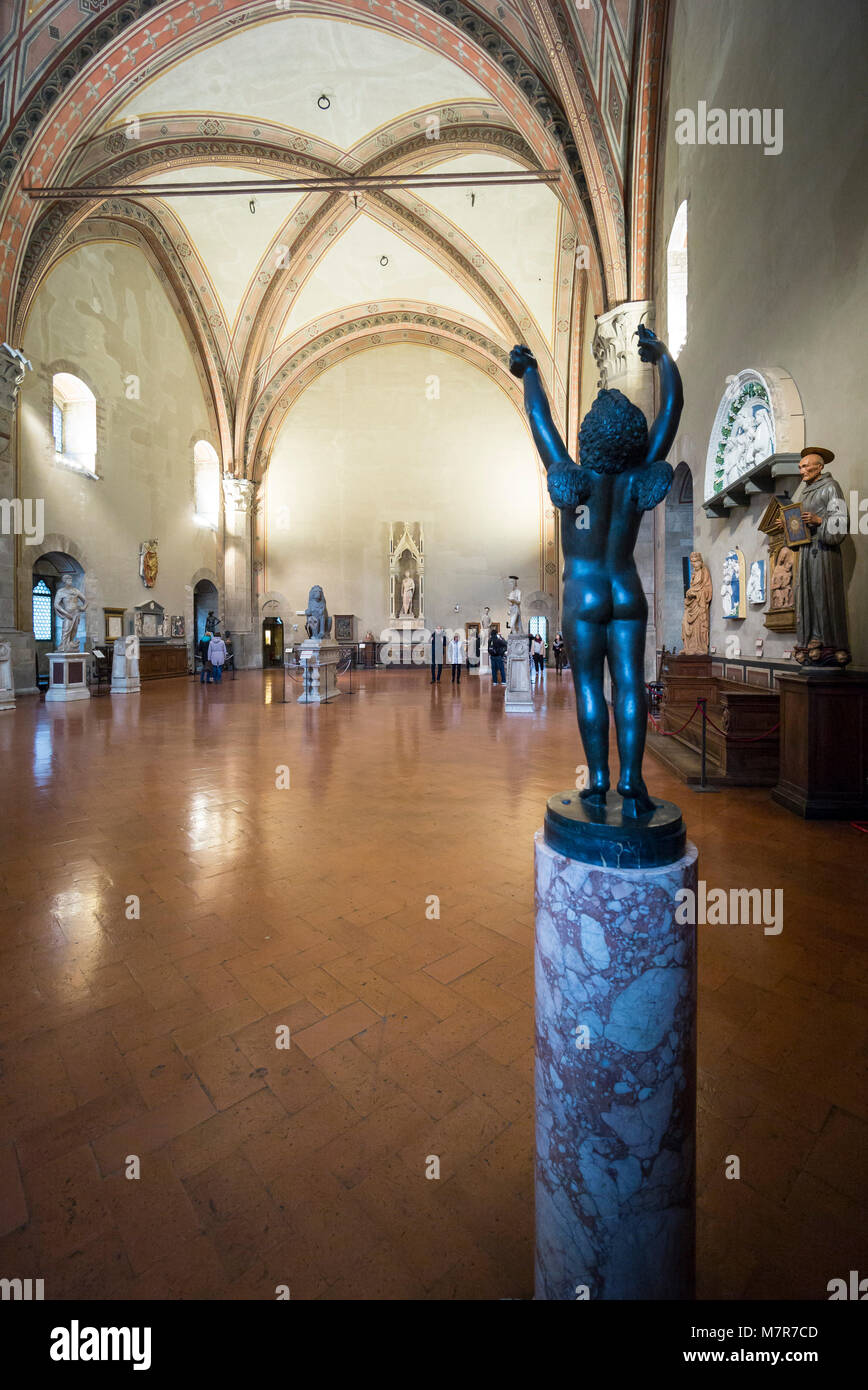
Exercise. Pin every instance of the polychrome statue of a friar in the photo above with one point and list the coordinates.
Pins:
(621, 473)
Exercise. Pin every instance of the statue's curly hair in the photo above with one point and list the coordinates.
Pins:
(613, 435)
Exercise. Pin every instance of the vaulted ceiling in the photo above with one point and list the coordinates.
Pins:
(273, 284)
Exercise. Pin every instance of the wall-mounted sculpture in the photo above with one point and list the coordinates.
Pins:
(697, 601)
(406, 573)
(756, 584)
(732, 591)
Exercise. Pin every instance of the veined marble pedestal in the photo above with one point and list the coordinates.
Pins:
(67, 677)
(519, 696)
(7, 681)
(319, 659)
(616, 1104)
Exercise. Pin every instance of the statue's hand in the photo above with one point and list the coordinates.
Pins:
(520, 359)
(650, 347)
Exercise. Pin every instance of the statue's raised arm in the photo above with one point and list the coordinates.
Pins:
(552, 449)
(665, 427)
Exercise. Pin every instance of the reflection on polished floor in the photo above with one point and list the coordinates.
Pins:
(410, 1036)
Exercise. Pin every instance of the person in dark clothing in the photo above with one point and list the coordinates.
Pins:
(203, 654)
(438, 643)
(497, 652)
(560, 652)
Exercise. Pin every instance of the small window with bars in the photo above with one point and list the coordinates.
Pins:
(57, 426)
(42, 612)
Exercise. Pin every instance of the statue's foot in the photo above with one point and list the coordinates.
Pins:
(636, 801)
(595, 796)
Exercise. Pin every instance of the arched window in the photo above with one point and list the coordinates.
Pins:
(42, 611)
(73, 422)
(206, 485)
(676, 282)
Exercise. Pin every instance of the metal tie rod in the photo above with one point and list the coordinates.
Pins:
(349, 183)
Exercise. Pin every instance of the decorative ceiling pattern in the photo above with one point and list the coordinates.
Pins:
(180, 91)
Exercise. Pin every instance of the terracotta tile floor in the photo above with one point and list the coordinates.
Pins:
(307, 908)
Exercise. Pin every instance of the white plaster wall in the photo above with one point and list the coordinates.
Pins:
(777, 251)
(103, 313)
(363, 446)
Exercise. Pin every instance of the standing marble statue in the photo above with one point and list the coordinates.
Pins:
(697, 601)
(408, 589)
(821, 608)
(622, 474)
(513, 619)
(318, 624)
(69, 605)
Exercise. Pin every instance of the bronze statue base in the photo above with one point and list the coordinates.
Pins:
(604, 835)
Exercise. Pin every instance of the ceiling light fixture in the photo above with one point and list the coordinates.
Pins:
(252, 204)
(323, 102)
(384, 260)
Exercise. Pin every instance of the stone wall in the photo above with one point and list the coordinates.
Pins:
(777, 253)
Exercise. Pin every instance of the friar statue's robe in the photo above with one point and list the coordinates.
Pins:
(821, 608)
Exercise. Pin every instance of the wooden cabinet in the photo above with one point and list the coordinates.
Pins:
(159, 660)
(824, 744)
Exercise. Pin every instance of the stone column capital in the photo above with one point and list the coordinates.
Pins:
(238, 494)
(13, 366)
(613, 348)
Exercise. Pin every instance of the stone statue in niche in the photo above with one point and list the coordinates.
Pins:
(697, 601)
(408, 589)
(821, 607)
(782, 587)
(513, 617)
(69, 605)
(621, 475)
(318, 624)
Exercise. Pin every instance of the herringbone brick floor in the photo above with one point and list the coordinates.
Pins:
(311, 908)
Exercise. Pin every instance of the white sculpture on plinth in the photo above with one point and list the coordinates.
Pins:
(513, 620)
(69, 605)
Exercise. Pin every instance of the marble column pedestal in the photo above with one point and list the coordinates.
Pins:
(7, 681)
(67, 677)
(483, 666)
(519, 696)
(319, 658)
(615, 1080)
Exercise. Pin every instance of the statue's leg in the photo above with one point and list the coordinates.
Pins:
(626, 642)
(587, 651)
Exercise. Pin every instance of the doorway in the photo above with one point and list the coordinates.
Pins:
(272, 642)
(205, 601)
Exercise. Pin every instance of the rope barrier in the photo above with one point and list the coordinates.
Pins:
(670, 733)
(730, 738)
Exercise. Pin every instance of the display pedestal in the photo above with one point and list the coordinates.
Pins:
(7, 680)
(66, 677)
(319, 659)
(615, 1080)
(824, 744)
(125, 667)
(483, 666)
(519, 696)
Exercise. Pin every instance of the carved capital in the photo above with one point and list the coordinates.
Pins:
(13, 365)
(613, 347)
(238, 494)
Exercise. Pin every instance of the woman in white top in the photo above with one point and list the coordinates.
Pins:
(456, 657)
